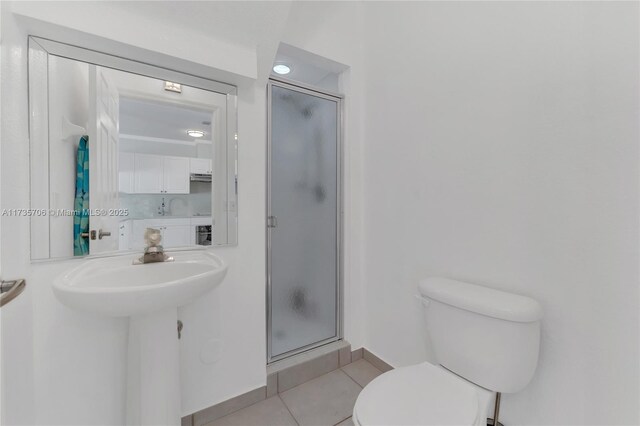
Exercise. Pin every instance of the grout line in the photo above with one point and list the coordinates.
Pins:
(193, 417)
(337, 369)
(352, 379)
(361, 387)
(287, 407)
(343, 420)
(350, 415)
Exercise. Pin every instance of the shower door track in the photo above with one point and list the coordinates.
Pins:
(310, 90)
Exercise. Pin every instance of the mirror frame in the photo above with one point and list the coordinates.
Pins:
(39, 129)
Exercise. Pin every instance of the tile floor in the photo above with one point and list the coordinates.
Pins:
(327, 400)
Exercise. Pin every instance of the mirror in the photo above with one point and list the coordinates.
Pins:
(118, 147)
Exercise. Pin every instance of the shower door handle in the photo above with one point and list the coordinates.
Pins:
(272, 222)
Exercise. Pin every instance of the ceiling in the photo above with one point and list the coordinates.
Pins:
(162, 120)
(253, 25)
(248, 23)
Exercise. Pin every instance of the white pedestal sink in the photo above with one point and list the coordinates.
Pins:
(150, 295)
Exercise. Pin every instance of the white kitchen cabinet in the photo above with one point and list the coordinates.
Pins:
(124, 234)
(176, 175)
(126, 167)
(148, 174)
(202, 220)
(176, 235)
(200, 166)
(157, 174)
(136, 241)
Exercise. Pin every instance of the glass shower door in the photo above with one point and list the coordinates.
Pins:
(303, 224)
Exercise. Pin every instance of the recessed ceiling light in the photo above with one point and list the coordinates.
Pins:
(195, 133)
(281, 69)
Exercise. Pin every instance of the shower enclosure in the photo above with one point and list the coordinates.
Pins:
(304, 219)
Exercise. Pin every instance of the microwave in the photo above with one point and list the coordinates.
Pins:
(203, 235)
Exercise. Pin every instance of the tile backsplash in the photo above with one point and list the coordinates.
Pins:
(196, 203)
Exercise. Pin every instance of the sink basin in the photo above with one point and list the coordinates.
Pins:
(149, 295)
(114, 286)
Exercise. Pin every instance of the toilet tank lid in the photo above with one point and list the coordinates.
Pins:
(481, 300)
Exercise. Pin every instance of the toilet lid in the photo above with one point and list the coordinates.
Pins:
(421, 394)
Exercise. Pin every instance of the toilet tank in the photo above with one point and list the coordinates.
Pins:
(487, 336)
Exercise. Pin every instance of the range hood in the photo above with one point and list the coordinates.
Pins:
(200, 177)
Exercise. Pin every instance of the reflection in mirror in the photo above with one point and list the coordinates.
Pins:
(122, 153)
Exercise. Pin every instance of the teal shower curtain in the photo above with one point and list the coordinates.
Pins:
(81, 203)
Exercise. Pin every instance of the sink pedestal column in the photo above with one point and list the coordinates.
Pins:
(153, 369)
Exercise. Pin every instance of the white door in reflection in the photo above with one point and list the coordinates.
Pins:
(103, 160)
(303, 224)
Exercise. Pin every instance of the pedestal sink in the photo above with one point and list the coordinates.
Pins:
(149, 294)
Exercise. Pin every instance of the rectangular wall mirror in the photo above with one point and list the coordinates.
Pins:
(119, 146)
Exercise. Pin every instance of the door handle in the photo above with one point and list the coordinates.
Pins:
(102, 234)
(272, 222)
(9, 290)
(91, 235)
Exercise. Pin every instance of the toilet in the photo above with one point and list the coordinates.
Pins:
(485, 342)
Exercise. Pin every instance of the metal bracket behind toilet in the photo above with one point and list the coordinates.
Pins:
(9, 290)
(496, 412)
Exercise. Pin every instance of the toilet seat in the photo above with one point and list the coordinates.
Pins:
(422, 394)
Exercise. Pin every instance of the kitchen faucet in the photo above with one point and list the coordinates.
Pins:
(161, 209)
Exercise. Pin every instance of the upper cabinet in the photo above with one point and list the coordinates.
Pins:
(153, 174)
(201, 166)
(148, 174)
(175, 175)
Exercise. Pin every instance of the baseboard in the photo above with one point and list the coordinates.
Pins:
(376, 361)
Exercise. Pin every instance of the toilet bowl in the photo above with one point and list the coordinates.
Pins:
(422, 394)
(485, 342)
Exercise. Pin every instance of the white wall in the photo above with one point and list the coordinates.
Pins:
(18, 381)
(502, 148)
(223, 348)
(224, 345)
(78, 369)
(235, 62)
